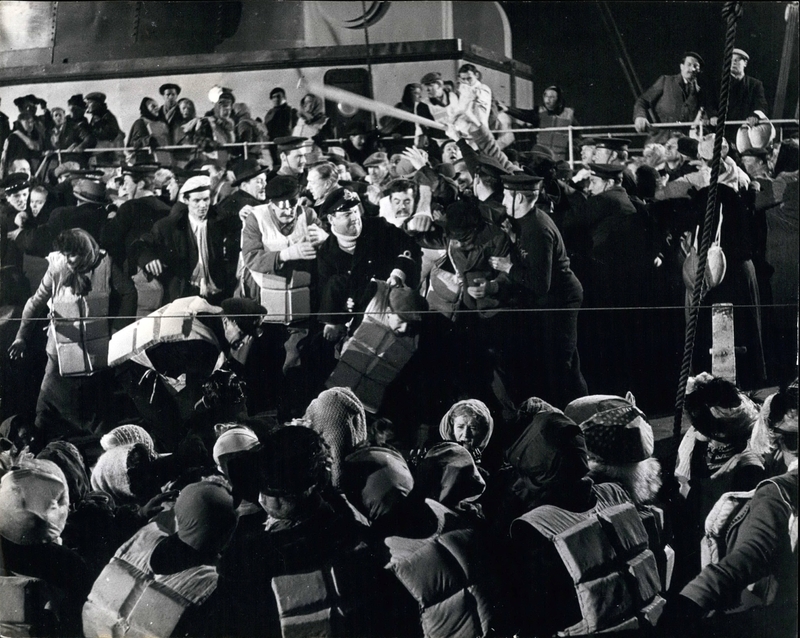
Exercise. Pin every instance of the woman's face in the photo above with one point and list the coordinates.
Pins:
(152, 107)
(416, 94)
(550, 99)
(468, 431)
(186, 108)
(27, 124)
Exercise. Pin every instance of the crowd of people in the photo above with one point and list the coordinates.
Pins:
(223, 366)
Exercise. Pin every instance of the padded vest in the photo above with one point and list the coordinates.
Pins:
(441, 573)
(24, 603)
(79, 325)
(605, 552)
(557, 141)
(371, 359)
(128, 599)
(320, 603)
(174, 322)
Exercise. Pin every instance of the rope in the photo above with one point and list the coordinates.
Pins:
(731, 11)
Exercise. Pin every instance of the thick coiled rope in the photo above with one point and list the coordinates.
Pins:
(731, 12)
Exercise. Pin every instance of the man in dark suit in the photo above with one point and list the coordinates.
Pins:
(187, 249)
(746, 93)
(674, 98)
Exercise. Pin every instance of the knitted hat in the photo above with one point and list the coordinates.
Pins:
(126, 435)
(205, 516)
(236, 439)
(615, 430)
(338, 415)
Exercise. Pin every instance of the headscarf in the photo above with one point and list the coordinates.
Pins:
(79, 243)
(127, 434)
(34, 501)
(69, 459)
(375, 480)
(448, 474)
(234, 441)
(479, 408)
(338, 415)
(559, 107)
(314, 111)
(144, 111)
(110, 474)
(205, 517)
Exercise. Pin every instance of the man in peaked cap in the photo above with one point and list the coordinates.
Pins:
(610, 150)
(443, 103)
(746, 93)
(358, 250)
(675, 98)
(540, 275)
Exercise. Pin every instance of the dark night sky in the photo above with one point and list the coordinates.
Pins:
(567, 44)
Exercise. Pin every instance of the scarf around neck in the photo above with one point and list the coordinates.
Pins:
(347, 242)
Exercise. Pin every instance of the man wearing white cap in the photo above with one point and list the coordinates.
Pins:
(746, 93)
(186, 251)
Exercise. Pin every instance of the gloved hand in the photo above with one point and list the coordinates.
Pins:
(303, 250)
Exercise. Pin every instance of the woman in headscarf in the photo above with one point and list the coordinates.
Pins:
(195, 131)
(223, 127)
(34, 505)
(469, 423)
(83, 289)
(148, 133)
(175, 561)
(554, 113)
(338, 415)
(312, 122)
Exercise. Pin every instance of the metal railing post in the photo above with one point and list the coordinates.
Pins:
(571, 151)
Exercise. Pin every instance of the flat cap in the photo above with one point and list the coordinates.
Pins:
(375, 159)
(695, 55)
(429, 78)
(196, 184)
(741, 53)
(606, 171)
(97, 96)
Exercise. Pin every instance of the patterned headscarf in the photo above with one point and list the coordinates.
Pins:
(127, 434)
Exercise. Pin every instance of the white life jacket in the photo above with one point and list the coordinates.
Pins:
(24, 604)
(128, 599)
(79, 324)
(441, 573)
(605, 553)
(320, 603)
